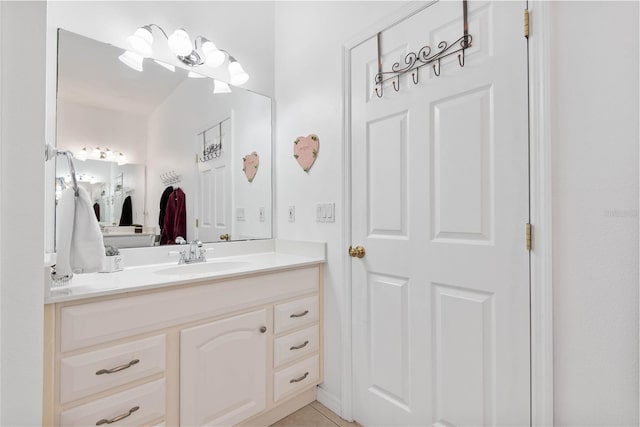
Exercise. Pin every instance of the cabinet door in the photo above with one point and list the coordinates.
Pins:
(223, 370)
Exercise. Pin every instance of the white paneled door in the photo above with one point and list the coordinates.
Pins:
(214, 211)
(440, 199)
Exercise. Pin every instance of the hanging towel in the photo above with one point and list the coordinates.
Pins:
(163, 205)
(175, 218)
(96, 209)
(79, 243)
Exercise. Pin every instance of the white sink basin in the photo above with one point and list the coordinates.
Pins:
(203, 268)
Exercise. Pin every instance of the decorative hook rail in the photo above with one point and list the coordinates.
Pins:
(426, 55)
(170, 178)
(212, 151)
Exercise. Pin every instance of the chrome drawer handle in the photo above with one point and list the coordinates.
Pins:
(297, 380)
(118, 418)
(298, 347)
(304, 313)
(118, 368)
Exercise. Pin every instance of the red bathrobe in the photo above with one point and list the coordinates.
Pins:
(175, 218)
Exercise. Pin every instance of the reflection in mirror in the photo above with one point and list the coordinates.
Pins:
(165, 150)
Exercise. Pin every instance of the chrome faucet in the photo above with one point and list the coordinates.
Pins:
(195, 254)
(193, 250)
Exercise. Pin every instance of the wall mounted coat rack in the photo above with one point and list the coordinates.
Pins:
(414, 61)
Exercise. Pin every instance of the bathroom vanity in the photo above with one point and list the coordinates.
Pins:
(233, 341)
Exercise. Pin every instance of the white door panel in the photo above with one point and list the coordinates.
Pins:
(440, 202)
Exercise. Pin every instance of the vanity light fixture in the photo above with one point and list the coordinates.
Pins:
(180, 43)
(220, 87)
(237, 75)
(132, 60)
(201, 51)
(141, 41)
(101, 154)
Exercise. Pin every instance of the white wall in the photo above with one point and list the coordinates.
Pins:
(22, 99)
(308, 69)
(595, 212)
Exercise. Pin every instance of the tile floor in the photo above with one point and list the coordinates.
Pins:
(314, 415)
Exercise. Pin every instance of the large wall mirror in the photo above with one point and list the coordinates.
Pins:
(151, 144)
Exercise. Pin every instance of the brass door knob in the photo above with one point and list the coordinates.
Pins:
(225, 236)
(357, 252)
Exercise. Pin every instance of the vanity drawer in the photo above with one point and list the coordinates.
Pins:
(137, 406)
(296, 313)
(296, 345)
(297, 377)
(100, 370)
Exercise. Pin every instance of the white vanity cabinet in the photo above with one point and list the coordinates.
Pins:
(238, 351)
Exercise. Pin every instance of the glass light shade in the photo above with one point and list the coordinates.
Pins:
(95, 153)
(141, 41)
(220, 87)
(180, 43)
(82, 154)
(237, 75)
(194, 75)
(169, 67)
(109, 155)
(122, 159)
(213, 57)
(132, 60)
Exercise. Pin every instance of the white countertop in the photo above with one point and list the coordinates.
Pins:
(146, 277)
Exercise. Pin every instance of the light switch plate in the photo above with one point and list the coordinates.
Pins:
(239, 214)
(261, 213)
(325, 212)
(292, 213)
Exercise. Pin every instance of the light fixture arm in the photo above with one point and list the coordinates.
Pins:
(149, 26)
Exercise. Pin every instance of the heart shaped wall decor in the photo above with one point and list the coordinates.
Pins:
(250, 164)
(305, 150)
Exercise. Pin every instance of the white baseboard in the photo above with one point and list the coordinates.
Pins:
(330, 401)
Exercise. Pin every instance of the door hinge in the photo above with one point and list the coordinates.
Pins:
(528, 237)
(526, 23)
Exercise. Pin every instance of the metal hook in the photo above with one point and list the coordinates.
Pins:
(379, 93)
(461, 58)
(415, 77)
(396, 86)
(436, 72)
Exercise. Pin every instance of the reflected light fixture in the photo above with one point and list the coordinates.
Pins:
(220, 87)
(193, 75)
(82, 155)
(200, 52)
(121, 159)
(104, 154)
